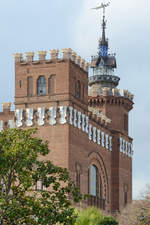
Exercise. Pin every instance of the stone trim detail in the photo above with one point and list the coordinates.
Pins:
(63, 115)
(126, 148)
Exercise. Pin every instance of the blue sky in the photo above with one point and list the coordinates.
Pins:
(32, 25)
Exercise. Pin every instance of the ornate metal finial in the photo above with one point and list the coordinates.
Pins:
(102, 6)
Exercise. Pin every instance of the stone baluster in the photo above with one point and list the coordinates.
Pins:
(19, 117)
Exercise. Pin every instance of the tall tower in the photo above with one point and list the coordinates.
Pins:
(105, 97)
(88, 135)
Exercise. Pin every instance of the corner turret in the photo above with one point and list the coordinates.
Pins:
(104, 93)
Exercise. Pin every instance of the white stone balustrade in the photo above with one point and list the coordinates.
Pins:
(67, 114)
(126, 147)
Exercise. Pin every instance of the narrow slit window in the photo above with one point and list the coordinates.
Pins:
(20, 83)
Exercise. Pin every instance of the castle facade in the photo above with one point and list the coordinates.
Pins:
(87, 129)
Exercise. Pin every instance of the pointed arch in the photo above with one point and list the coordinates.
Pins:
(102, 182)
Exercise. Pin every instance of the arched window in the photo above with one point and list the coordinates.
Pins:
(94, 183)
(41, 86)
(51, 84)
(29, 86)
(78, 89)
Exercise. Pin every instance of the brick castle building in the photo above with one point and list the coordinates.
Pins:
(87, 132)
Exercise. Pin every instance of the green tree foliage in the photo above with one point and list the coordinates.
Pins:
(108, 220)
(20, 169)
(93, 216)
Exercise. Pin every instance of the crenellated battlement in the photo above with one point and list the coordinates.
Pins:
(106, 91)
(66, 53)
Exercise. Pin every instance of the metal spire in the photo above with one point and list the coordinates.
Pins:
(103, 45)
(103, 64)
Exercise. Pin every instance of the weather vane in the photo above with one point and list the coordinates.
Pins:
(102, 6)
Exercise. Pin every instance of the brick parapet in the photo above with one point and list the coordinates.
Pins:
(120, 100)
(67, 54)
